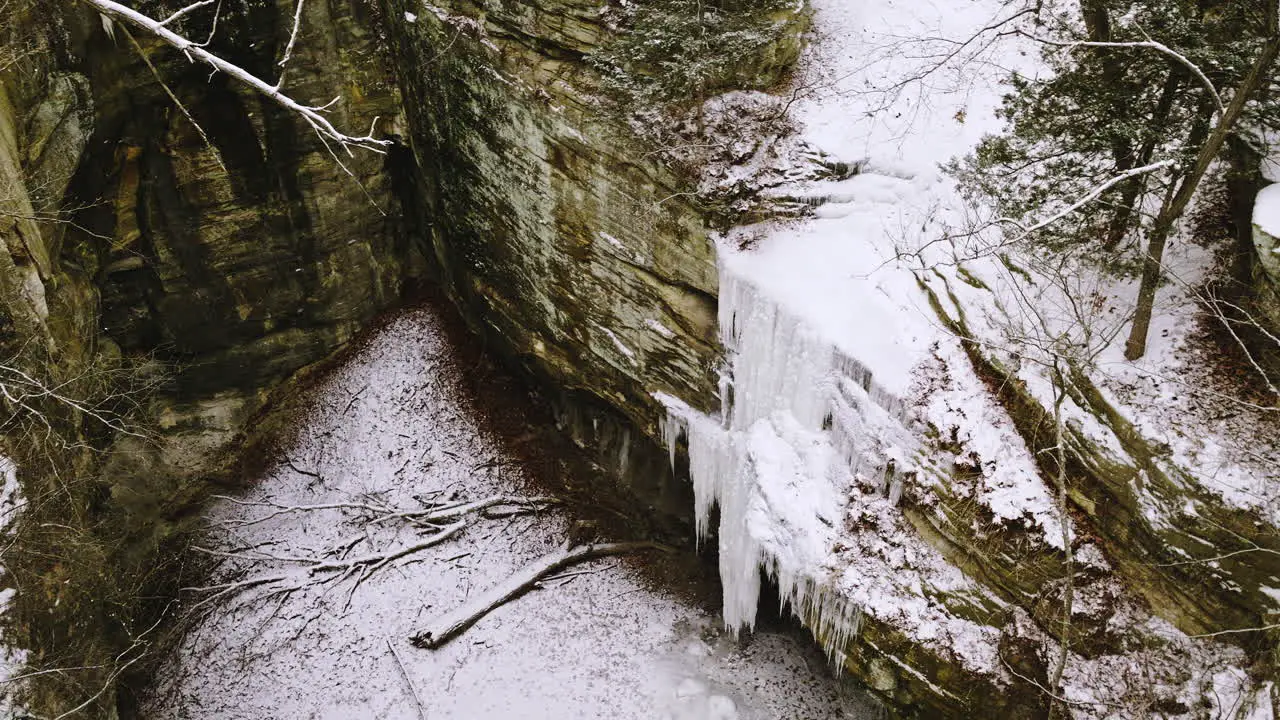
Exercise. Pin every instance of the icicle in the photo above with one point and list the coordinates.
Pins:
(895, 490)
(784, 386)
(671, 429)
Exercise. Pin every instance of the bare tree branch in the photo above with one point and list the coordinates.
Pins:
(195, 52)
(293, 38)
(1088, 197)
(404, 672)
(1149, 44)
(1216, 305)
(185, 10)
(1236, 631)
(977, 229)
(22, 389)
(448, 626)
(217, 156)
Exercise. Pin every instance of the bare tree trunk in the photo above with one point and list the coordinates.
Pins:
(1097, 20)
(1120, 222)
(1136, 345)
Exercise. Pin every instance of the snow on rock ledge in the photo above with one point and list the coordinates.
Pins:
(1266, 230)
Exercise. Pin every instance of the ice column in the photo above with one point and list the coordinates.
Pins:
(794, 406)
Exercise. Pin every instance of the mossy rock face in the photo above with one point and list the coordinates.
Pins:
(236, 261)
(920, 683)
(253, 254)
(548, 224)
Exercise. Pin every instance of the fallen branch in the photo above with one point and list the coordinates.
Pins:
(280, 509)
(448, 626)
(496, 506)
(365, 564)
(404, 672)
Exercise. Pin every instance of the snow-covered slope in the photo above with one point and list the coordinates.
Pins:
(860, 460)
(12, 660)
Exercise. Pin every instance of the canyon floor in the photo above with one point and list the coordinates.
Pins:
(392, 429)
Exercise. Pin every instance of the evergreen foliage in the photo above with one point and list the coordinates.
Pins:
(1106, 110)
(671, 53)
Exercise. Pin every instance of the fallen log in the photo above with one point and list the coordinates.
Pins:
(452, 624)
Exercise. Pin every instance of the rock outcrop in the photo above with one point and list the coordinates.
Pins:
(562, 240)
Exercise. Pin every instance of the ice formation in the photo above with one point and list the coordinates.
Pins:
(800, 423)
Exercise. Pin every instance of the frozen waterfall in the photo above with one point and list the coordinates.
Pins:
(802, 424)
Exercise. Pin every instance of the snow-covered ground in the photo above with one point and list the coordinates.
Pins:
(391, 428)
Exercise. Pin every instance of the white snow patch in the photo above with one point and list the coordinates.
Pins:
(1266, 210)
(628, 352)
(615, 242)
(1271, 162)
(659, 328)
(624, 252)
(12, 660)
(963, 411)
(1206, 677)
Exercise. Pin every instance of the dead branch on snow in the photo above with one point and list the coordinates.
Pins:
(448, 626)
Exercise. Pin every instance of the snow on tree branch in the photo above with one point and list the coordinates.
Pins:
(1148, 44)
(288, 48)
(978, 229)
(195, 52)
(1087, 198)
(184, 11)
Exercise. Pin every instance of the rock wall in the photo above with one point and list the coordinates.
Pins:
(579, 256)
(188, 220)
(238, 251)
(220, 265)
